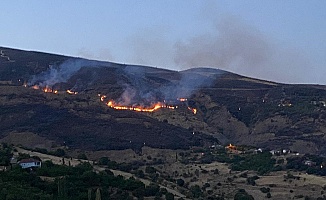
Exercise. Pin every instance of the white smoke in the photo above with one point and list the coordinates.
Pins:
(127, 96)
(62, 73)
(238, 47)
(234, 45)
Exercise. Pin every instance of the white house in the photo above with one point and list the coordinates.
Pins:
(30, 162)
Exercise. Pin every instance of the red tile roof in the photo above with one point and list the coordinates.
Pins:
(28, 160)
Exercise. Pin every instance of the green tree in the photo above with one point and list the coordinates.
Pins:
(150, 170)
(196, 191)
(180, 182)
(103, 161)
(82, 156)
(169, 196)
(243, 195)
(59, 152)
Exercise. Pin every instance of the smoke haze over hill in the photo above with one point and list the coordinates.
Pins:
(233, 45)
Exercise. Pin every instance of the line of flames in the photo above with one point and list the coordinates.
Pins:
(45, 89)
(114, 105)
(71, 92)
(153, 108)
(193, 110)
(49, 90)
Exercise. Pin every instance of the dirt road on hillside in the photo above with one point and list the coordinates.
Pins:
(73, 162)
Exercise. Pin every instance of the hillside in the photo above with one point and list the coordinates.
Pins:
(197, 107)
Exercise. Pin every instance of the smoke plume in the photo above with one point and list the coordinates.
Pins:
(61, 73)
(232, 46)
(228, 43)
(127, 96)
(238, 47)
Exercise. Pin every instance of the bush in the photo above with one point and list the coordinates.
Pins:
(41, 150)
(112, 165)
(59, 152)
(244, 175)
(150, 170)
(163, 191)
(265, 190)
(140, 174)
(206, 185)
(243, 195)
(103, 161)
(251, 180)
(196, 191)
(180, 182)
(126, 167)
(280, 161)
(82, 156)
(278, 168)
(152, 190)
(169, 196)
(268, 195)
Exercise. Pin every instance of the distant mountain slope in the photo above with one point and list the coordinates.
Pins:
(227, 106)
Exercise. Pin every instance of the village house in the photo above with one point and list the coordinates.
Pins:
(281, 152)
(259, 150)
(30, 162)
(309, 163)
(286, 151)
(275, 152)
(319, 103)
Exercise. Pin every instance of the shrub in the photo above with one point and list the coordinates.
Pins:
(265, 190)
(180, 182)
(152, 190)
(82, 156)
(169, 196)
(140, 174)
(216, 171)
(59, 152)
(268, 195)
(196, 191)
(150, 170)
(103, 161)
(243, 195)
(251, 180)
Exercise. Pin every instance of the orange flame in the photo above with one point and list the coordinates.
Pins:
(71, 92)
(193, 110)
(153, 108)
(50, 90)
(103, 97)
(182, 99)
(36, 87)
(47, 90)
